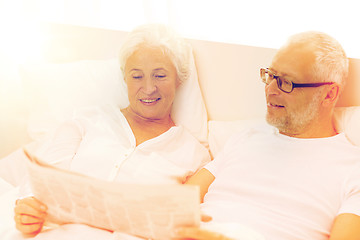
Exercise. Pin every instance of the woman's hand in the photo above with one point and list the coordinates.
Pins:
(30, 215)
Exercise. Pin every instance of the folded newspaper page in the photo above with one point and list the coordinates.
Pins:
(149, 211)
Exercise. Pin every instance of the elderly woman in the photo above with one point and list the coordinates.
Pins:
(139, 143)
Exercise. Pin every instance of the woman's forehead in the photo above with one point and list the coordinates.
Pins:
(149, 58)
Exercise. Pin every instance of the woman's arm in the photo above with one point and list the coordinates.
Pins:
(57, 150)
(203, 179)
(60, 147)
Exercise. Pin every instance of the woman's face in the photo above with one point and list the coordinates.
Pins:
(152, 80)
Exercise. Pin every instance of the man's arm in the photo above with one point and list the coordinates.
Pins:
(346, 226)
(202, 178)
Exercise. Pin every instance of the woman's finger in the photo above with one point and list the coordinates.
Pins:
(27, 220)
(30, 207)
(28, 225)
(31, 229)
(23, 209)
(32, 202)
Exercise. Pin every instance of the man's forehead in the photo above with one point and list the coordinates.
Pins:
(292, 58)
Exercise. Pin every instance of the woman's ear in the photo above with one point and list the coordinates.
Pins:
(178, 82)
(332, 94)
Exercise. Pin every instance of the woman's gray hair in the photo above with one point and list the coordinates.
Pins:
(331, 62)
(158, 35)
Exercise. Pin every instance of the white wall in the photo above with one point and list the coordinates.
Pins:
(256, 23)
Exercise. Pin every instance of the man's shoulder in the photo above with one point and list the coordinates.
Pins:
(255, 132)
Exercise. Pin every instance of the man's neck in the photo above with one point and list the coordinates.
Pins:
(314, 131)
(310, 135)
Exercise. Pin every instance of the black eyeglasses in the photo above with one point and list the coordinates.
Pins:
(284, 84)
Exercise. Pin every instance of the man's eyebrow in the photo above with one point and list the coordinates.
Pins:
(273, 70)
(279, 74)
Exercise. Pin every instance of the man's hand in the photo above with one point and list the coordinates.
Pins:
(187, 233)
(198, 233)
(29, 216)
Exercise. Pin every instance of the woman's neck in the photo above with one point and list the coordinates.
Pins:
(145, 129)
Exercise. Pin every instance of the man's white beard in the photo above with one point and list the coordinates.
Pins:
(295, 122)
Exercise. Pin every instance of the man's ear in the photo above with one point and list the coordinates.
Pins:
(332, 94)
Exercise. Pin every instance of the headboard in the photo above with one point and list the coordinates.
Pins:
(228, 74)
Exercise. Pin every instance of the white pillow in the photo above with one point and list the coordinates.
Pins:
(189, 108)
(53, 91)
(347, 119)
(221, 131)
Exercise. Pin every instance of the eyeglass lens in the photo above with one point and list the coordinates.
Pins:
(282, 83)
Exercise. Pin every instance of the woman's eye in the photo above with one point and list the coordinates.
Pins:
(160, 76)
(137, 77)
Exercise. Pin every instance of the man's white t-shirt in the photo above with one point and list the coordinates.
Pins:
(284, 187)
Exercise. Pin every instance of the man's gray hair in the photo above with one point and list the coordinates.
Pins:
(331, 62)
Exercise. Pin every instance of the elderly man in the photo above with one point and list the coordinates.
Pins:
(301, 179)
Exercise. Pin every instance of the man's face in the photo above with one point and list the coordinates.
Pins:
(293, 112)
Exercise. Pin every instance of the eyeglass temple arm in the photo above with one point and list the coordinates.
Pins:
(295, 85)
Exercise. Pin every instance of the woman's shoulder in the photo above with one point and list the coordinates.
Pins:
(98, 112)
(103, 116)
(181, 134)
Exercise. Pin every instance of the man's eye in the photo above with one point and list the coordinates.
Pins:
(286, 81)
(137, 77)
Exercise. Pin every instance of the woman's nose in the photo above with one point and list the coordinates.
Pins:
(149, 86)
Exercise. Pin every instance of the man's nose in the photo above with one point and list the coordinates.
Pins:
(272, 88)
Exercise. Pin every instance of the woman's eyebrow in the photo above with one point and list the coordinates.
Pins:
(157, 69)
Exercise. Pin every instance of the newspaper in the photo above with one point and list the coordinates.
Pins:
(148, 211)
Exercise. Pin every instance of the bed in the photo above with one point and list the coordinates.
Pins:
(229, 96)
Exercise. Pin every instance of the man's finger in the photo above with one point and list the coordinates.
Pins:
(205, 218)
(199, 234)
